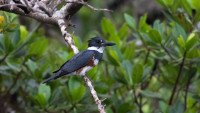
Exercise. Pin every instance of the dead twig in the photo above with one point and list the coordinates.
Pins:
(87, 5)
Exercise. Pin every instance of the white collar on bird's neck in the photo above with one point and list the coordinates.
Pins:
(100, 50)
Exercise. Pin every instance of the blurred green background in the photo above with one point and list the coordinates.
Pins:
(157, 42)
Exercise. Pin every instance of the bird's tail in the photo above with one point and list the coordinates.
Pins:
(57, 75)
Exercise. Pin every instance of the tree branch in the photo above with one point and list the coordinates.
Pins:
(136, 101)
(94, 94)
(177, 79)
(63, 27)
(40, 11)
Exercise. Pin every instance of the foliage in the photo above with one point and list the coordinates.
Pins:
(139, 73)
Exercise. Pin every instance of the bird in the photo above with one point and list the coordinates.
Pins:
(83, 61)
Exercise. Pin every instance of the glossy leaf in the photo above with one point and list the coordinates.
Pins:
(107, 27)
(155, 36)
(194, 53)
(32, 65)
(129, 51)
(159, 27)
(130, 21)
(137, 73)
(195, 4)
(191, 40)
(123, 32)
(143, 26)
(169, 2)
(78, 93)
(124, 108)
(45, 91)
(38, 47)
(113, 58)
(179, 31)
(127, 67)
(40, 98)
(181, 42)
(73, 84)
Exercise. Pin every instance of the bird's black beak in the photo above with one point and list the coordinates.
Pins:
(110, 44)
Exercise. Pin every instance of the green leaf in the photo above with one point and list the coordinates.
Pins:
(179, 31)
(149, 93)
(107, 27)
(15, 36)
(127, 67)
(32, 65)
(114, 38)
(13, 66)
(154, 35)
(38, 47)
(130, 21)
(78, 93)
(163, 106)
(129, 51)
(40, 98)
(169, 2)
(195, 4)
(181, 42)
(73, 84)
(194, 53)
(159, 27)
(7, 43)
(123, 32)
(92, 73)
(161, 2)
(177, 108)
(44, 90)
(124, 108)
(187, 7)
(23, 33)
(137, 73)
(143, 26)
(191, 40)
(197, 17)
(113, 57)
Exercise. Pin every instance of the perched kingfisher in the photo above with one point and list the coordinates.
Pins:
(84, 61)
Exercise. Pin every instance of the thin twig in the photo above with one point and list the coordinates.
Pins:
(58, 2)
(89, 6)
(136, 101)
(147, 56)
(141, 104)
(187, 87)
(177, 79)
(168, 53)
(3, 59)
(151, 75)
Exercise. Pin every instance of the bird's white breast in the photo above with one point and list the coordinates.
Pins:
(85, 69)
(96, 61)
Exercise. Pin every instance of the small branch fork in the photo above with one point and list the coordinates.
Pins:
(47, 11)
